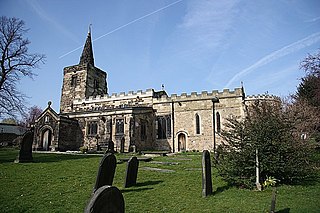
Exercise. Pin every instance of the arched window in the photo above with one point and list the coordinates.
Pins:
(92, 128)
(74, 81)
(164, 127)
(197, 124)
(218, 122)
(120, 126)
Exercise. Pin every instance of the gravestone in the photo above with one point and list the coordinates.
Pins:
(273, 201)
(106, 171)
(110, 147)
(107, 199)
(206, 174)
(25, 154)
(132, 172)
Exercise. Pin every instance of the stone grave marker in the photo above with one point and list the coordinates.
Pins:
(106, 199)
(273, 201)
(206, 174)
(106, 171)
(110, 147)
(25, 154)
(132, 172)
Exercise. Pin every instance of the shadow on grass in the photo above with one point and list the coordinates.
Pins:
(221, 189)
(286, 210)
(134, 190)
(50, 158)
(8, 155)
(146, 183)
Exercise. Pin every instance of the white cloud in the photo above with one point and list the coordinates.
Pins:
(207, 22)
(313, 19)
(291, 48)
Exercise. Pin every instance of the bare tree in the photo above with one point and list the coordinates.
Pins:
(30, 117)
(311, 64)
(15, 63)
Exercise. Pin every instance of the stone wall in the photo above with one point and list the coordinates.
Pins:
(70, 135)
(185, 108)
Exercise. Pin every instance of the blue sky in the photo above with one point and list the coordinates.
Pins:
(187, 45)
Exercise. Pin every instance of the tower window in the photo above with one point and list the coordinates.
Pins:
(74, 81)
(96, 84)
(197, 124)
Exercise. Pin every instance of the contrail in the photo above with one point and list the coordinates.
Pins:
(305, 42)
(131, 22)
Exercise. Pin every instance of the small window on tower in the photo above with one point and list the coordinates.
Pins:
(74, 81)
(96, 84)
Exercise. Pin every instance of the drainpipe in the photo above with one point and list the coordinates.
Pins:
(214, 100)
(173, 134)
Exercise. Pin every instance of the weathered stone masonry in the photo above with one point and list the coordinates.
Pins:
(133, 121)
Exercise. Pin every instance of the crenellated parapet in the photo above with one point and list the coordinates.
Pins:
(122, 96)
(265, 97)
(204, 95)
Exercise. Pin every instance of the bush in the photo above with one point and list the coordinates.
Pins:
(281, 154)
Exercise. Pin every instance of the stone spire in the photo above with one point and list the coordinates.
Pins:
(87, 53)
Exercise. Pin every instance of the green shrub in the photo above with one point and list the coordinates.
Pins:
(268, 130)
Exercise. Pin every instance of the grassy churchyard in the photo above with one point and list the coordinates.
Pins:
(63, 183)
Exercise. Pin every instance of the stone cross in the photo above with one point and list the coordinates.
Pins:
(106, 171)
(132, 172)
(25, 154)
(206, 174)
(106, 199)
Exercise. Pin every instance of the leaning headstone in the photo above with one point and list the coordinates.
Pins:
(132, 172)
(106, 171)
(107, 199)
(273, 201)
(25, 154)
(206, 174)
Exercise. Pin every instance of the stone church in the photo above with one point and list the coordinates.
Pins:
(133, 121)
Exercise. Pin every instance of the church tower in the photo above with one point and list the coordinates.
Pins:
(82, 80)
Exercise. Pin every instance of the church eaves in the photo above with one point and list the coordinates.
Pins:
(87, 53)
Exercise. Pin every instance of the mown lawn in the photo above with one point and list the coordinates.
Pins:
(63, 183)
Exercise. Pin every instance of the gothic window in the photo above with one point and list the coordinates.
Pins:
(109, 126)
(74, 81)
(164, 127)
(197, 124)
(218, 122)
(143, 130)
(119, 126)
(92, 128)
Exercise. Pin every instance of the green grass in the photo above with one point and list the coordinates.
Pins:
(63, 183)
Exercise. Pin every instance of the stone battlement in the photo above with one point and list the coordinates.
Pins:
(226, 93)
(203, 95)
(117, 96)
(262, 97)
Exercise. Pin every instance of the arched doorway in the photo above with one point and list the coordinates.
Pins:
(181, 142)
(46, 139)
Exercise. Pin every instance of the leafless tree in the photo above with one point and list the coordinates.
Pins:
(30, 117)
(16, 62)
(311, 64)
